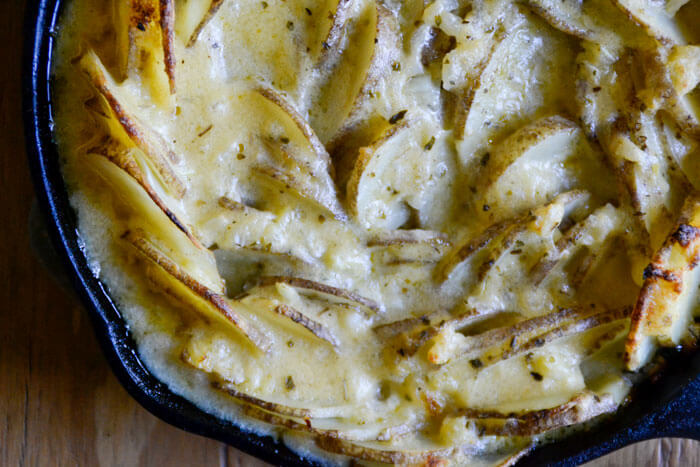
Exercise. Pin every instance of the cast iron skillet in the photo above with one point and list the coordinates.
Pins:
(666, 406)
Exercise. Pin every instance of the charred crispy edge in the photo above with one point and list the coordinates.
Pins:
(556, 22)
(322, 288)
(146, 248)
(314, 327)
(275, 98)
(330, 46)
(540, 421)
(135, 131)
(523, 139)
(275, 175)
(657, 276)
(167, 26)
(409, 237)
(370, 454)
(364, 158)
(129, 165)
(213, 9)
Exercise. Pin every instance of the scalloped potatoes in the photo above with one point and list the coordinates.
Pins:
(401, 232)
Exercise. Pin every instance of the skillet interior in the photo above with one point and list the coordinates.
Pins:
(665, 406)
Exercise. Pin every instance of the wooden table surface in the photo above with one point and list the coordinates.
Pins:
(60, 402)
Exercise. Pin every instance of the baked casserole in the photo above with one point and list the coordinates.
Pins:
(398, 232)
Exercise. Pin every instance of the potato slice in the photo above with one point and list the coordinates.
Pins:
(301, 162)
(283, 110)
(501, 235)
(302, 184)
(669, 298)
(378, 452)
(336, 428)
(342, 102)
(505, 93)
(566, 16)
(504, 343)
(132, 161)
(383, 194)
(408, 246)
(557, 157)
(540, 140)
(649, 180)
(324, 291)
(150, 142)
(328, 48)
(654, 18)
(145, 31)
(314, 327)
(581, 408)
(592, 233)
(191, 291)
(282, 408)
(197, 15)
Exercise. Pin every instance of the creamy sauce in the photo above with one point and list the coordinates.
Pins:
(409, 212)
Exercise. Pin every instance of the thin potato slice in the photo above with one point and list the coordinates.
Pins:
(301, 183)
(127, 160)
(326, 291)
(566, 16)
(591, 233)
(209, 13)
(579, 409)
(543, 219)
(343, 100)
(650, 184)
(283, 409)
(669, 296)
(376, 452)
(540, 140)
(314, 327)
(400, 247)
(212, 305)
(503, 343)
(302, 125)
(653, 18)
(145, 31)
(368, 157)
(152, 144)
(329, 50)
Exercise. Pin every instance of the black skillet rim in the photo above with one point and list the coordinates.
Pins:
(663, 406)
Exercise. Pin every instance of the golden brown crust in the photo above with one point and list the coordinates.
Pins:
(665, 283)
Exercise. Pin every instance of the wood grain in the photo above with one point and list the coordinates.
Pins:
(61, 405)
